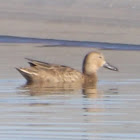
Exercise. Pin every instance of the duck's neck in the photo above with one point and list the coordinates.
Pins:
(89, 71)
(90, 78)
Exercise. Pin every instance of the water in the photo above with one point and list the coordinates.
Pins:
(66, 43)
(63, 32)
(109, 112)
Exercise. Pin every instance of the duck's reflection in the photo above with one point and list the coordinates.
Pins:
(47, 89)
(85, 92)
(82, 111)
(89, 91)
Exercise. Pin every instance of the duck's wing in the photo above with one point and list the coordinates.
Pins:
(37, 63)
(49, 72)
(48, 66)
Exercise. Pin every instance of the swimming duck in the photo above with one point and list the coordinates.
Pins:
(41, 72)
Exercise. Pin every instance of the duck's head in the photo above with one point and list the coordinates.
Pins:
(93, 61)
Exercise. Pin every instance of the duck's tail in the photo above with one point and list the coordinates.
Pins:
(28, 74)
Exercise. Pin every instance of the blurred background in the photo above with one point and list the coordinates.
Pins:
(115, 21)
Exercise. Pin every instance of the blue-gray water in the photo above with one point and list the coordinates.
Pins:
(110, 112)
(63, 32)
(66, 43)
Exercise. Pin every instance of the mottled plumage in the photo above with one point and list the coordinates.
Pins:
(41, 72)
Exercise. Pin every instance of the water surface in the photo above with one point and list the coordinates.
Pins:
(63, 32)
(109, 112)
(68, 43)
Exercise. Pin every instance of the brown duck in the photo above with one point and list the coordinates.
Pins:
(41, 72)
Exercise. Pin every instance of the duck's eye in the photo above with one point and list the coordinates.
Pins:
(100, 56)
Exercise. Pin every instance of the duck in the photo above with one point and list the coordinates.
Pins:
(42, 72)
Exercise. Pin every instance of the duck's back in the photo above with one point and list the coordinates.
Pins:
(45, 72)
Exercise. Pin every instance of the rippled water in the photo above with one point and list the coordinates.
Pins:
(49, 31)
(110, 112)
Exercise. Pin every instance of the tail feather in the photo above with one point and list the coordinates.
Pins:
(27, 74)
(32, 64)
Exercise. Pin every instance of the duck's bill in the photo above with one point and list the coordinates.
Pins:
(108, 66)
